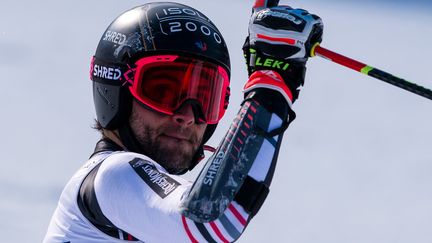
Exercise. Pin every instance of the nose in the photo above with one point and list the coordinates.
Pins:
(184, 116)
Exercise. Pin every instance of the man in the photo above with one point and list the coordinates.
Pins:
(161, 85)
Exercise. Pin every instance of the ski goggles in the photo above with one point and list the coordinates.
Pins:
(165, 82)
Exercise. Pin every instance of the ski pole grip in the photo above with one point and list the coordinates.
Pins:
(260, 4)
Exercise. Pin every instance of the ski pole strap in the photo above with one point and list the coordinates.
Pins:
(371, 71)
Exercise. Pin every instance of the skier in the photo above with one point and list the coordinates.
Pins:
(161, 76)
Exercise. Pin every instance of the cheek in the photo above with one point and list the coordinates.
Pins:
(142, 122)
(201, 129)
(143, 115)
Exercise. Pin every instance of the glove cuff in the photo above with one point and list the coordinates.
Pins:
(269, 79)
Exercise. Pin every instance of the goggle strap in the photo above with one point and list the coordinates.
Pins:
(107, 72)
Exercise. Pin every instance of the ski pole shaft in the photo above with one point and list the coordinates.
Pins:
(371, 71)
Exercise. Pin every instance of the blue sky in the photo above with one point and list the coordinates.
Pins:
(355, 166)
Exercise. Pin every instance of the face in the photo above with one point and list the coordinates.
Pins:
(170, 140)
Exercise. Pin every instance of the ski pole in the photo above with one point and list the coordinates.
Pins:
(259, 4)
(317, 50)
(370, 71)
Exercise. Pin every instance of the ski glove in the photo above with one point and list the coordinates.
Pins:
(278, 46)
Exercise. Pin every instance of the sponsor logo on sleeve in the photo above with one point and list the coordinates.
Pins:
(158, 181)
(213, 169)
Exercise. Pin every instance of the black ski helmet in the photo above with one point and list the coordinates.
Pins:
(150, 29)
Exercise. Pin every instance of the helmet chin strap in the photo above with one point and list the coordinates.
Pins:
(129, 140)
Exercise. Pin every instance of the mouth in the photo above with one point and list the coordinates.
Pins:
(177, 137)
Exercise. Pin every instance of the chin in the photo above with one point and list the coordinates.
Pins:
(173, 156)
(175, 159)
(176, 166)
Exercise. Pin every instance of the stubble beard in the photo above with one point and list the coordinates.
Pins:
(174, 158)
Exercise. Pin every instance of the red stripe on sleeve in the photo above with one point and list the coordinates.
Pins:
(253, 109)
(218, 233)
(237, 214)
(188, 232)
